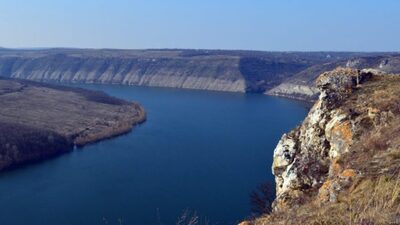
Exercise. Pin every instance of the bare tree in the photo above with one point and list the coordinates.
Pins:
(261, 199)
(188, 218)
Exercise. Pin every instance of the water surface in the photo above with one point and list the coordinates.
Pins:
(203, 151)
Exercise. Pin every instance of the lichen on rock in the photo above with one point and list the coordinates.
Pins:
(306, 159)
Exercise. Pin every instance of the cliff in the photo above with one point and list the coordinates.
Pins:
(342, 164)
(38, 121)
(302, 85)
(234, 71)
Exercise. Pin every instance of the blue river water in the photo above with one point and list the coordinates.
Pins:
(199, 151)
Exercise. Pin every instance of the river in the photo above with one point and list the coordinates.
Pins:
(199, 151)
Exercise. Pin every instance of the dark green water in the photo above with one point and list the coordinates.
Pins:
(203, 151)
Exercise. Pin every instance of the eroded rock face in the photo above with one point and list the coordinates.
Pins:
(297, 91)
(306, 158)
(287, 74)
(204, 70)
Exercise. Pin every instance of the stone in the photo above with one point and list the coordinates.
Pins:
(308, 157)
(348, 173)
(284, 153)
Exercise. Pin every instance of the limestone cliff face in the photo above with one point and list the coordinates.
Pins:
(157, 72)
(297, 91)
(302, 85)
(306, 158)
(342, 164)
(206, 70)
(233, 71)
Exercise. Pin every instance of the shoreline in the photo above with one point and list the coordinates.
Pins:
(40, 121)
(124, 128)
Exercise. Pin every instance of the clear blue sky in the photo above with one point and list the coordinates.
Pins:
(283, 25)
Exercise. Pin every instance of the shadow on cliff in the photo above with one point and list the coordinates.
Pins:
(261, 74)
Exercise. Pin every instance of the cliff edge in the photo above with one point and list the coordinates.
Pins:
(287, 74)
(342, 164)
(302, 85)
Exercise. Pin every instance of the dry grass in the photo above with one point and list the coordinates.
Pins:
(376, 110)
(368, 202)
(378, 150)
(374, 196)
(381, 92)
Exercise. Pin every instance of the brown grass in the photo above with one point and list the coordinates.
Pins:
(374, 196)
(368, 202)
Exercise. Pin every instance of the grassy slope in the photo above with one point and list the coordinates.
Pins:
(373, 195)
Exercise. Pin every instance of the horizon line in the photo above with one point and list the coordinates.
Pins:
(194, 49)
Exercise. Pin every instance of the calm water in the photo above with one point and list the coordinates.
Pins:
(203, 151)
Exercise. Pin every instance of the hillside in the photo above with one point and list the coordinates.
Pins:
(342, 165)
(302, 84)
(220, 70)
(38, 121)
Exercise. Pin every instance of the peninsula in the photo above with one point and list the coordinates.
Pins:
(40, 120)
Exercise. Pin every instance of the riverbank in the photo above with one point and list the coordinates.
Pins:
(38, 120)
(195, 150)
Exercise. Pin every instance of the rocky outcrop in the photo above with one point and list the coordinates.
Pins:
(342, 164)
(38, 121)
(306, 159)
(296, 91)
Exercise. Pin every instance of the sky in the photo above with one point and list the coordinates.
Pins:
(272, 25)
